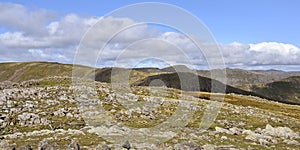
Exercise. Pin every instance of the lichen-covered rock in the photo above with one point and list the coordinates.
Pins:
(282, 132)
(187, 145)
(126, 145)
(291, 142)
(74, 145)
(4, 145)
(45, 145)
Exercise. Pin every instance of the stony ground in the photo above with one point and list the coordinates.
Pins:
(53, 113)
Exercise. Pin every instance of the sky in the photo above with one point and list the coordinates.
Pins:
(251, 34)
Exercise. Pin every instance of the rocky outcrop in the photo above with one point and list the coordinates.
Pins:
(265, 136)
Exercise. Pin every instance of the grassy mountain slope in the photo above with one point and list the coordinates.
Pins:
(186, 81)
(32, 70)
(22, 71)
(122, 74)
(285, 90)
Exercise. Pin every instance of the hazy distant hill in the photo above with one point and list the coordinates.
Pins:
(237, 77)
(149, 70)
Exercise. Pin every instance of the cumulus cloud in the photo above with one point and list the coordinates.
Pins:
(176, 48)
(38, 34)
(123, 29)
(63, 33)
(266, 53)
(20, 18)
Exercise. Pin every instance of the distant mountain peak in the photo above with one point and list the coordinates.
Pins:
(177, 68)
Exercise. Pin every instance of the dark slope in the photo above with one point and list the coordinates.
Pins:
(239, 76)
(186, 81)
(285, 90)
(120, 75)
(104, 75)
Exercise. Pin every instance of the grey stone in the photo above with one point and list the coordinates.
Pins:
(44, 145)
(250, 135)
(126, 145)
(227, 147)
(74, 145)
(209, 147)
(283, 132)
(27, 147)
(4, 145)
(187, 145)
(291, 142)
(104, 147)
(222, 130)
(235, 131)
(223, 137)
(263, 142)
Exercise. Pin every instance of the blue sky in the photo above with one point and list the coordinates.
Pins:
(252, 34)
(247, 21)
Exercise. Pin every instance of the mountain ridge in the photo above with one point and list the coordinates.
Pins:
(250, 82)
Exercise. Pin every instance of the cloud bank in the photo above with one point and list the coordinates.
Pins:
(40, 35)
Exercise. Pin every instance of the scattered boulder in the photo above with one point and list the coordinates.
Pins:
(227, 147)
(281, 132)
(126, 145)
(222, 130)
(27, 147)
(74, 145)
(4, 145)
(263, 142)
(187, 145)
(209, 147)
(224, 138)
(235, 131)
(291, 142)
(29, 119)
(44, 145)
(104, 147)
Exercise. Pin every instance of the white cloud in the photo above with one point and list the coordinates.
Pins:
(266, 53)
(39, 35)
(63, 33)
(19, 18)
(275, 48)
(51, 54)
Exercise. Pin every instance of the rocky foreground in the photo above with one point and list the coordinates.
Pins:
(53, 113)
